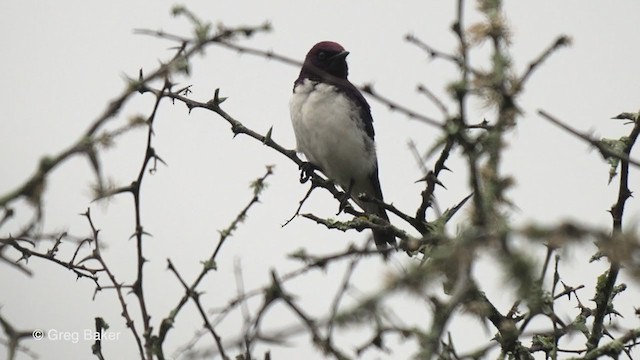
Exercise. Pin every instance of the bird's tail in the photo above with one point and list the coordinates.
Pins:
(383, 239)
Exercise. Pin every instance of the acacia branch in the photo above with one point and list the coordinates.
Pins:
(605, 287)
(208, 265)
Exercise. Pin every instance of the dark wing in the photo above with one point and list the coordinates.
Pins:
(356, 96)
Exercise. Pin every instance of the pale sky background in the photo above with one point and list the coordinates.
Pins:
(63, 61)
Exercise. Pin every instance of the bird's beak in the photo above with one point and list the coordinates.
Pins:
(339, 56)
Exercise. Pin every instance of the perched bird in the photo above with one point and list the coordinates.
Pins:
(334, 129)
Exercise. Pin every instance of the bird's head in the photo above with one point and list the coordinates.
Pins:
(326, 57)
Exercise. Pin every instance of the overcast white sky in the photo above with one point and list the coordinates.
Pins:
(63, 61)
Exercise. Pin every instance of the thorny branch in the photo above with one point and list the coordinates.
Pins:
(605, 293)
(33, 187)
(208, 265)
(445, 258)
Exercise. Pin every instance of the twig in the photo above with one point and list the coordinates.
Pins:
(300, 203)
(395, 106)
(339, 295)
(431, 96)
(116, 285)
(604, 149)
(324, 344)
(561, 41)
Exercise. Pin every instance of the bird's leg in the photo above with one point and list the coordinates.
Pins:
(306, 169)
(345, 198)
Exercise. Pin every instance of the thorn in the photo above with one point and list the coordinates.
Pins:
(438, 182)
(168, 84)
(625, 116)
(267, 137)
(217, 100)
(158, 158)
(424, 178)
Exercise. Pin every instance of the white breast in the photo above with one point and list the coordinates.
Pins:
(330, 133)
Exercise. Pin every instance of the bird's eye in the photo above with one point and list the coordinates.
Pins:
(322, 55)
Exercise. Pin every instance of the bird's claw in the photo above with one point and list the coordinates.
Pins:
(344, 203)
(306, 171)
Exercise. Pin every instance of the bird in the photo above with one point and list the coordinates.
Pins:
(333, 128)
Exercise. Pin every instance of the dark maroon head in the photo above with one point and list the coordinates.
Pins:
(325, 57)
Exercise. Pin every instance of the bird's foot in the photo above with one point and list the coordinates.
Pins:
(344, 201)
(306, 170)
